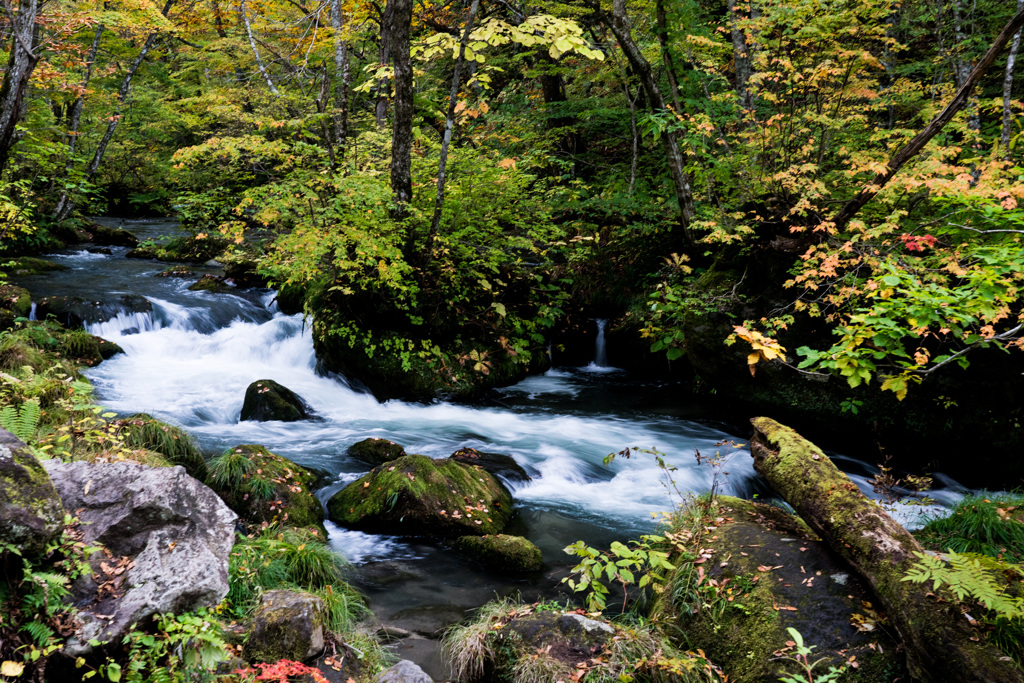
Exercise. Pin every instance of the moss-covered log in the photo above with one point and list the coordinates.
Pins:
(941, 644)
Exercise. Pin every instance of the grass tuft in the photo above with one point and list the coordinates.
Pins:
(987, 524)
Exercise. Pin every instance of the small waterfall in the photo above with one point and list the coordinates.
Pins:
(32, 312)
(124, 323)
(600, 354)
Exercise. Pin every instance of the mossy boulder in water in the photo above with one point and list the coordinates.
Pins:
(73, 311)
(261, 486)
(266, 400)
(31, 513)
(27, 265)
(770, 573)
(211, 283)
(376, 451)
(509, 554)
(287, 625)
(184, 249)
(417, 496)
(109, 235)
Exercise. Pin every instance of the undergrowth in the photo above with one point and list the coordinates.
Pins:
(987, 524)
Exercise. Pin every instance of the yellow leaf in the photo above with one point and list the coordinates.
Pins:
(13, 669)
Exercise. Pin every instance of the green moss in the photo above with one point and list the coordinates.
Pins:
(27, 265)
(417, 495)
(263, 487)
(511, 554)
(15, 299)
(376, 451)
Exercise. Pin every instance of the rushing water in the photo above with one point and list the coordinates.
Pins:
(191, 359)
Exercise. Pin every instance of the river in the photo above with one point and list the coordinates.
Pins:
(191, 359)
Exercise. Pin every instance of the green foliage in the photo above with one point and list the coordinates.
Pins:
(801, 656)
(22, 422)
(640, 563)
(142, 431)
(984, 523)
(993, 585)
(283, 557)
(186, 647)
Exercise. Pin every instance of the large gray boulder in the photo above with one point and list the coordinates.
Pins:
(166, 540)
(287, 625)
(30, 511)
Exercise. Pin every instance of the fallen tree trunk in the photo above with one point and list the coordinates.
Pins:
(937, 636)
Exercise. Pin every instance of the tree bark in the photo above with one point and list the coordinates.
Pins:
(661, 18)
(22, 62)
(619, 25)
(255, 51)
(342, 76)
(449, 126)
(401, 136)
(387, 22)
(741, 59)
(912, 148)
(936, 634)
(1011, 60)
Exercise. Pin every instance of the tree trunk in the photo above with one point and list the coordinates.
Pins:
(22, 62)
(1004, 138)
(449, 126)
(937, 636)
(619, 25)
(256, 52)
(911, 149)
(741, 58)
(552, 87)
(67, 205)
(387, 22)
(661, 17)
(75, 119)
(401, 135)
(342, 76)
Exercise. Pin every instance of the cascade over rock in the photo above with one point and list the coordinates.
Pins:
(73, 311)
(170, 534)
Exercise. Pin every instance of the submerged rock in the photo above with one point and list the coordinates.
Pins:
(211, 283)
(287, 625)
(375, 451)
(415, 495)
(509, 554)
(504, 466)
(73, 311)
(166, 540)
(31, 514)
(264, 487)
(267, 400)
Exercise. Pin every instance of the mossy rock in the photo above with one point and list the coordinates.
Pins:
(108, 235)
(375, 451)
(287, 625)
(508, 554)
(176, 271)
(261, 486)
(173, 443)
(211, 283)
(773, 574)
(74, 311)
(27, 265)
(417, 496)
(183, 249)
(267, 400)
(31, 513)
(87, 349)
(17, 300)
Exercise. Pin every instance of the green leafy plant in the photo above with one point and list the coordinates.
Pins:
(637, 564)
(983, 523)
(21, 421)
(801, 656)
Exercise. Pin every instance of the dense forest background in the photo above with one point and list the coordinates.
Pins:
(448, 188)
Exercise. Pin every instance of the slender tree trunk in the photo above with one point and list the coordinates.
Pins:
(75, 118)
(322, 101)
(342, 75)
(911, 149)
(68, 205)
(401, 136)
(619, 25)
(449, 126)
(256, 52)
(661, 16)
(387, 23)
(741, 58)
(22, 62)
(635, 131)
(1004, 138)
